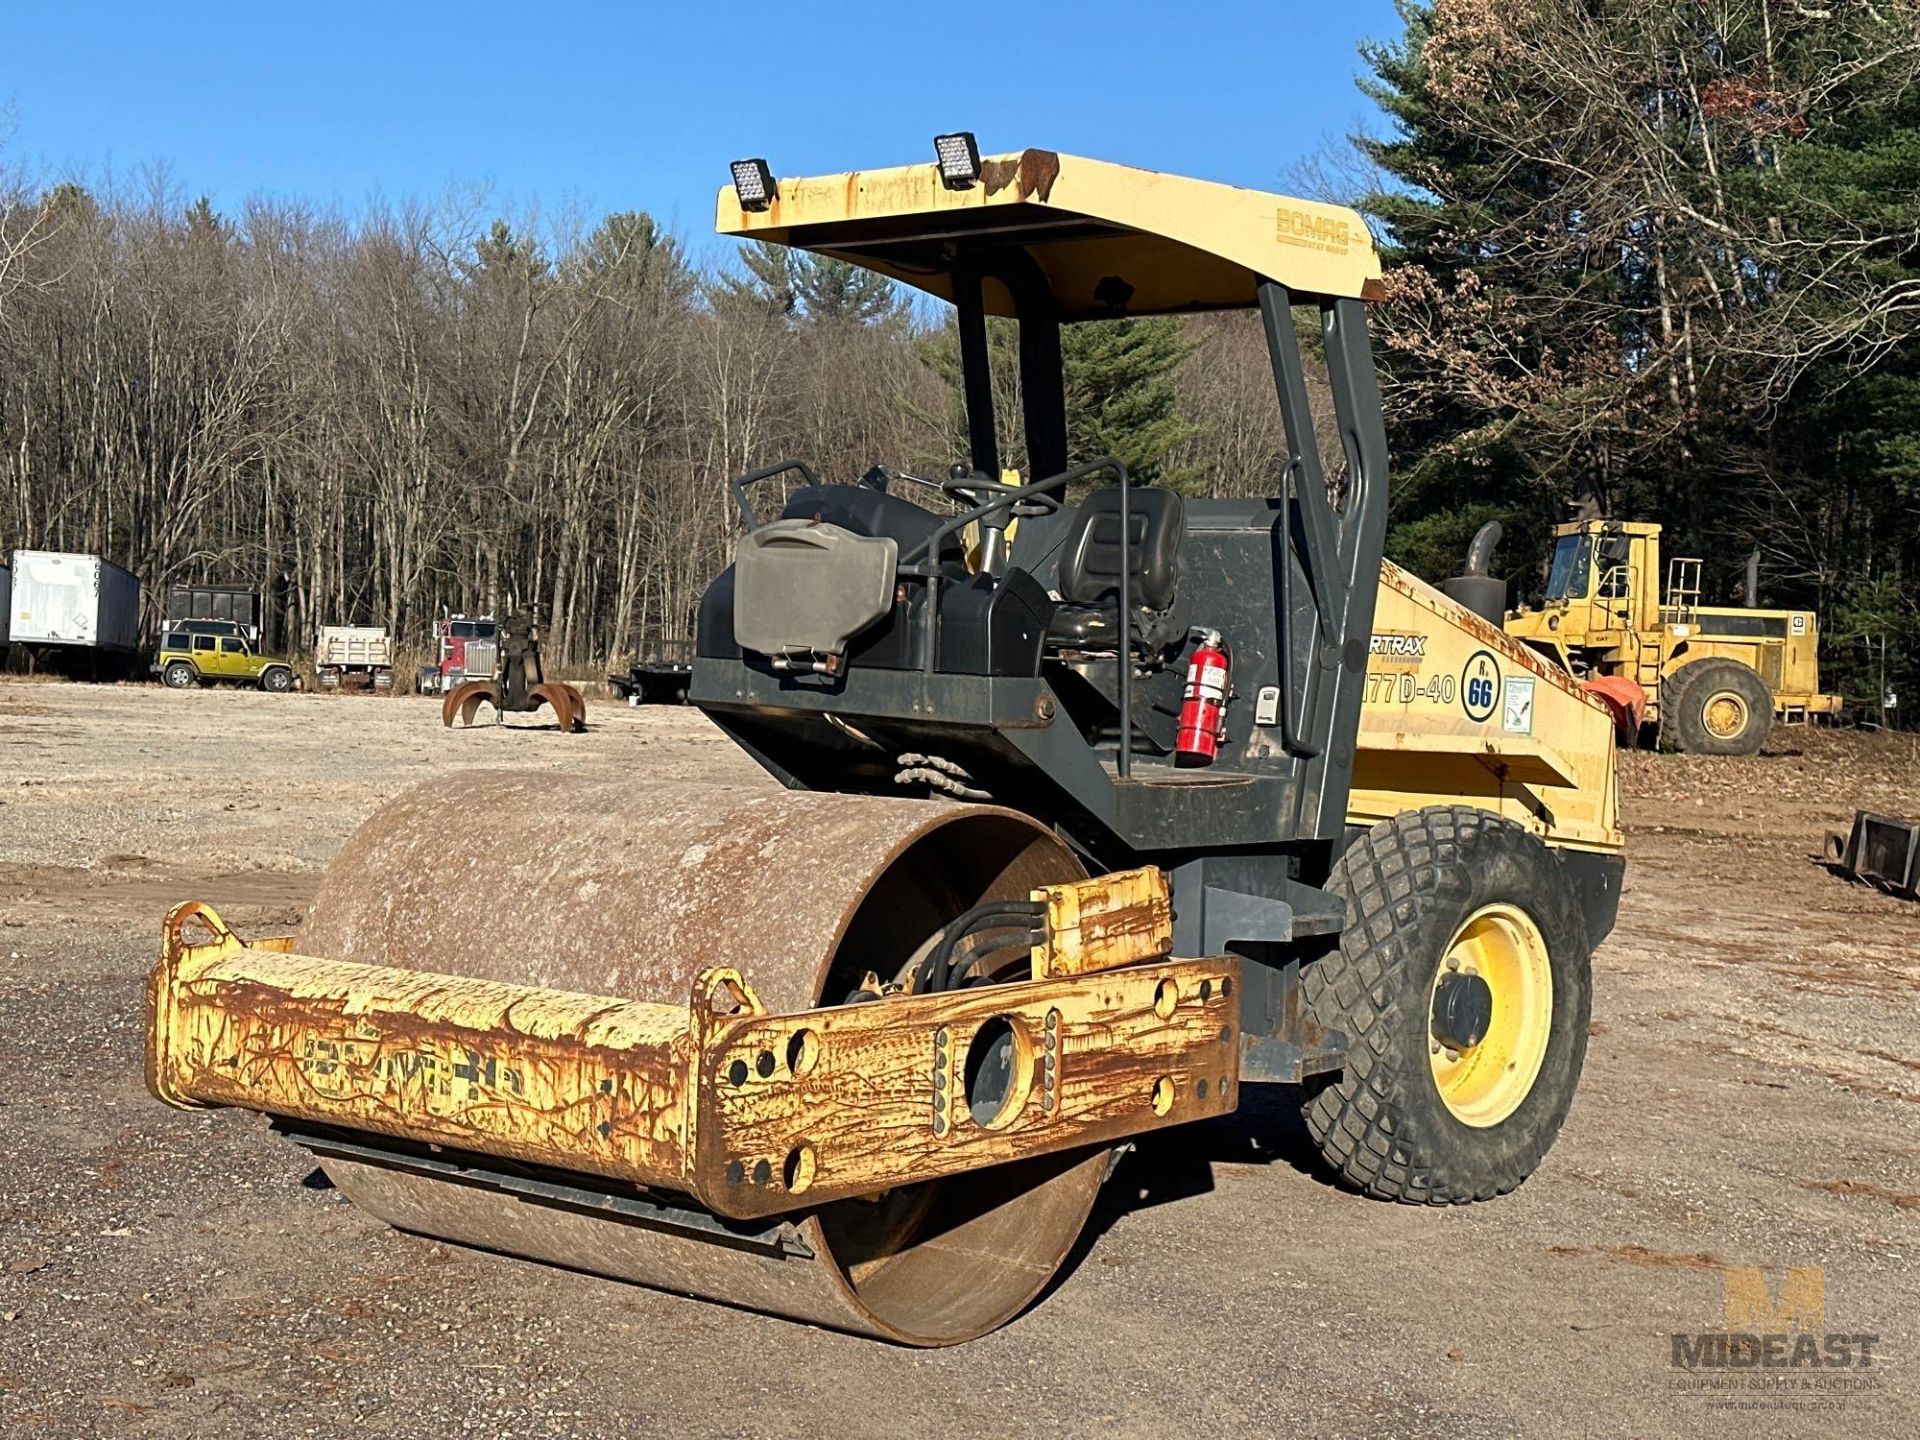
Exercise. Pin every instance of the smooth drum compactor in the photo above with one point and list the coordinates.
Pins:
(1099, 804)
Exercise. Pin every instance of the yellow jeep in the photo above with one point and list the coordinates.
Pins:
(206, 652)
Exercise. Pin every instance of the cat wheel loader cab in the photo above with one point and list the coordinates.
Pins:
(1711, 679)
(1100, 803)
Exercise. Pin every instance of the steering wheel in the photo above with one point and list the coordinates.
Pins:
(975, 489)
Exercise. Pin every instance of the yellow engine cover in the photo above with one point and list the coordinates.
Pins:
(1456, 712)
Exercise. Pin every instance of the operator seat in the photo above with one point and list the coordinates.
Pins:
(1087, 620)
(866, 511)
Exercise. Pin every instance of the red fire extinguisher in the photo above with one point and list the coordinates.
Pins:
(1203, 713)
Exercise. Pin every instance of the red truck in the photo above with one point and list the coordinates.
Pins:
(469, 650)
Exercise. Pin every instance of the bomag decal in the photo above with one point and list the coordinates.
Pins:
(1480, 685)
(1293, 226)
(443, 1077)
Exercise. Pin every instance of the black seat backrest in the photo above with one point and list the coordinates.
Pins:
(1089, 571)
(866, 511)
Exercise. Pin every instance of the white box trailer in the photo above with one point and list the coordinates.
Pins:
(66, 599)
(357, 650)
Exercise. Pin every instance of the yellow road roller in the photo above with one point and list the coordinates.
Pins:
(1081, 828)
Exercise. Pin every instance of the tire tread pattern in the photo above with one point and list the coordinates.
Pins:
(1380, 1125)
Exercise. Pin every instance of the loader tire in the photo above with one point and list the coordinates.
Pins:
(1408, 1119)
(1718, 707)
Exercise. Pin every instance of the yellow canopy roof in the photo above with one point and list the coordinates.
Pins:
(1108, 239)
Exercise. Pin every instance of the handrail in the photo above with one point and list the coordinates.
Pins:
(1124, 764)
(1124, 659)
(742, 483)
(1291, 737)
(928, 569)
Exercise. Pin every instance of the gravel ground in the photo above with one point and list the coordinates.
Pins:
(1750, 1099)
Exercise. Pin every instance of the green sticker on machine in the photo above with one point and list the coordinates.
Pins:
(1516, 705)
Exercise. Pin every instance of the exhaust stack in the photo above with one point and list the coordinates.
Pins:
(1482, 593)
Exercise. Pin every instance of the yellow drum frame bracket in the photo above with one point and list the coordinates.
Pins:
(834, 1103)
(752, 1114)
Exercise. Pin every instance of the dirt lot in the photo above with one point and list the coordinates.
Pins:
(1751, 1098)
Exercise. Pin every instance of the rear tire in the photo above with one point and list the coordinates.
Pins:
(179, 675)
(1719, 707)
(1429, 886)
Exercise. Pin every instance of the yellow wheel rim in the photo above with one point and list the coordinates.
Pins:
(1725, 715)
(1484, 1083)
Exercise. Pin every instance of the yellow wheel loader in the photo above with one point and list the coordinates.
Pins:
(1160, 799)
(1711, 678)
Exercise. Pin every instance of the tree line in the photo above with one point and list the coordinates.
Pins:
(416, 412)
(1661, 258)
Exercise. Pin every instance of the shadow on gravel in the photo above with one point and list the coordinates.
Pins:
(1178, 1164)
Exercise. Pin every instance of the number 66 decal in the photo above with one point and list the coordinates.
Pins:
(1480, 685)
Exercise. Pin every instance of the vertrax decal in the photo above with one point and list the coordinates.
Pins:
(1397, 647)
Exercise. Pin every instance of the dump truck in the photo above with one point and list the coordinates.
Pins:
(1710, 679)
(237, 603)
(1157, 799)
(354, 654)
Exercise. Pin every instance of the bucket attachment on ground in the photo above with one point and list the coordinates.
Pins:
(1879, 850)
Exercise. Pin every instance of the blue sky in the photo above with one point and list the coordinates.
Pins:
(618, 106)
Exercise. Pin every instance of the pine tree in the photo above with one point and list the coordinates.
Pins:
(1627, 242)
(504, 259)
(838, 292)
(769, 282)
(811, 288)
(628, 252)
(1667, 253)
(1121, 399)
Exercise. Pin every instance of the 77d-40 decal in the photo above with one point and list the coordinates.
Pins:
(1405, 688)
